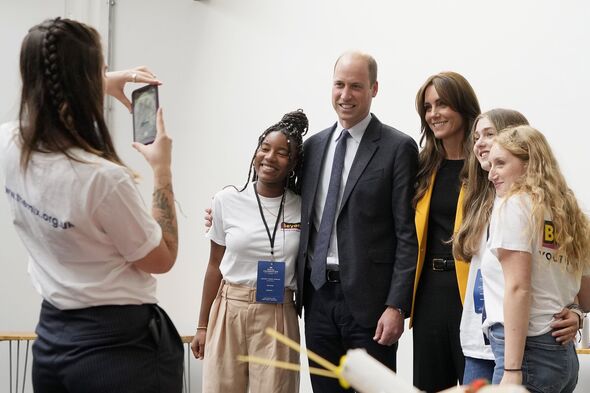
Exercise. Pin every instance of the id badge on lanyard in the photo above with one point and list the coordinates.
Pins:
(270, 282)
(270, 278)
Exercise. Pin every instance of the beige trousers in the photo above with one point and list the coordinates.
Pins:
(236, 327)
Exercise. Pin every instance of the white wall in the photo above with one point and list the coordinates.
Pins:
(19, 303)
(231, 68)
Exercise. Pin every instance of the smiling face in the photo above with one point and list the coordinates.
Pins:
(445, 123)
(352, 91)
(273, 162)
(483, 135)
(505, 169)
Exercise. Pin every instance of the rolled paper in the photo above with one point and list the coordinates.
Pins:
(367, 375)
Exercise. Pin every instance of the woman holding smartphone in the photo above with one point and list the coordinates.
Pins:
(93, 245)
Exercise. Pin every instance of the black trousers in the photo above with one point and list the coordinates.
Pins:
(438, 357)
(330, 330)
(115, 349)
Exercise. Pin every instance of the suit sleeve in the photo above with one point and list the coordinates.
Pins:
(404, 176)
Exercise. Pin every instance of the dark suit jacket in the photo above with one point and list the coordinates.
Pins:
(377, 245)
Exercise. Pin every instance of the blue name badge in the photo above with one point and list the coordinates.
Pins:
(478, 300)
(270, 283)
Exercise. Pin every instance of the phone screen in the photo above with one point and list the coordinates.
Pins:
(145, 105)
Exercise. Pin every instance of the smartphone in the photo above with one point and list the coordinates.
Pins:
(144, 102)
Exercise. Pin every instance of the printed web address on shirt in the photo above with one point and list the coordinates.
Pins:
(54, 222)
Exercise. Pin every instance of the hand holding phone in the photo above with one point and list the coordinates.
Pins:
(145, 104)
(158, 154)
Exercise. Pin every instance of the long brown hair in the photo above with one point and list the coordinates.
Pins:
(61, 107)
(454, 90)
(479, 192)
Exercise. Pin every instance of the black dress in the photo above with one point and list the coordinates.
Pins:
(438, 357)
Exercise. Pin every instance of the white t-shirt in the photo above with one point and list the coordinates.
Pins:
(83, 224)
(472, 339)
(238, 226)
(552, 285)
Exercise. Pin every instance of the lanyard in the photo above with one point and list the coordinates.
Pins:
(274, 233)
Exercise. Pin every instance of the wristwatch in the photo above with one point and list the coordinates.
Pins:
(401, 312)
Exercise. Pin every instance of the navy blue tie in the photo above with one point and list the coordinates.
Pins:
(318, 268)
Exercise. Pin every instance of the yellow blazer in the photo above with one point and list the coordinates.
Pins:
(422, 211)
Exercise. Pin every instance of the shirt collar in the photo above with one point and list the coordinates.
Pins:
(356, 132)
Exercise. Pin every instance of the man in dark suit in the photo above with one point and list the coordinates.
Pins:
(356, 266)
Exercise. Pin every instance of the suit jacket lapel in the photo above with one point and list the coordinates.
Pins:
(315, 160)
(367, 148)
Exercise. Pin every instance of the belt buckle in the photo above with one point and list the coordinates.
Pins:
(332, 275)
(438, 264)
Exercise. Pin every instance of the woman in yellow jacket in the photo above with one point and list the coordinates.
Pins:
(447, 106)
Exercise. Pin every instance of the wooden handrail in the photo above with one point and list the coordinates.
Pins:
(17, 336)
(186, 339)
(28, 336)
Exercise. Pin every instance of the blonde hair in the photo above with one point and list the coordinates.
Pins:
(479, 192)
(548, 190)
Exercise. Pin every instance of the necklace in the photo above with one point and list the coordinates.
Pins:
(268, 210)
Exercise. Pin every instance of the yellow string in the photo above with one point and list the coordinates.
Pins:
(294, 345)
(286, 365)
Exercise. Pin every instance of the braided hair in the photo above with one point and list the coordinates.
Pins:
(294, 126)
(62, 97)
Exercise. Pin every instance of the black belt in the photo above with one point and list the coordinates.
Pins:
(333, 273)
(443, 264)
